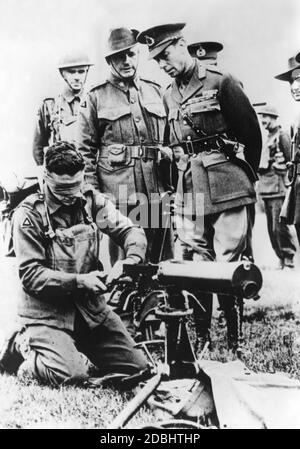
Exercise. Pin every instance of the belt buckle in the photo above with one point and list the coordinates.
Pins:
(190, 147)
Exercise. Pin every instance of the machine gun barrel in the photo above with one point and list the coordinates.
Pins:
(242, 279)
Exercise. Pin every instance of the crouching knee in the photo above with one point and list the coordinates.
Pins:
(67, 372)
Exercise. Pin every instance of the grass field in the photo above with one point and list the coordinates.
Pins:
(272, 344)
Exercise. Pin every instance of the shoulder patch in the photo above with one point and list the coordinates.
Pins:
(83, 104)
(27, 223)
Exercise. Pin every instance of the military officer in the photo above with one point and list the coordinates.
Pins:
(121, 127)
(66, 328)
(272, 184)
(207, 52)
(56, 118)
(212, 120)
(291, 209)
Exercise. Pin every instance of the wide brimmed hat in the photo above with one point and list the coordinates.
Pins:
(205, 50)
(160, 37)
(293, 64)
(120, 39)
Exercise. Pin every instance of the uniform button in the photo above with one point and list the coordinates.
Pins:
(132, 100)
(137, 119)
(184, 122)
(142, 139)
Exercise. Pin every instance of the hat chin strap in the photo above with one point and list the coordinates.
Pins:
(115, 71)
(66, 81)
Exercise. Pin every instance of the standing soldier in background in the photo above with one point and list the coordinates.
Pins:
(121, 128)
(212, 120)
(272, 184)
(290, 213)
(207, 52)
(57, 116)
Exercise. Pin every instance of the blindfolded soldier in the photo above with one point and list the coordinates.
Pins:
(66, 326)
(56, 118)
(211, 120)
(120, 134)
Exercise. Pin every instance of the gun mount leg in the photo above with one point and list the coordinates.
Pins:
(234, 318)
(202, 320)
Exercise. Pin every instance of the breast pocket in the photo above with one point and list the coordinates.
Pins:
(207, 116)
(115, 157)
(157, 120)
(117, 123)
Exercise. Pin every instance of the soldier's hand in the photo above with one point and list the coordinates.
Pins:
(178, 152)
(92, 281)
(166, 153)
(279, 158)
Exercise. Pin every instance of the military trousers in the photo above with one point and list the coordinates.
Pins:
(222, 237)
(56, 356)
(280, 235)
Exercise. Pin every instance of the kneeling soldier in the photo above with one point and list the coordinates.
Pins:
(66, 326)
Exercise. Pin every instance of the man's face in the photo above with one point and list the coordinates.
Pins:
(125, 64)
(66, 197)
(75, 77)
(267, 121)
(295, 85)
(172, 59)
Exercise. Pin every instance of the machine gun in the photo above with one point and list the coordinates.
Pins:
(143, 287)
(175, 280)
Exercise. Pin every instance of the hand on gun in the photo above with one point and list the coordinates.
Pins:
(279, 163)
(93, 281)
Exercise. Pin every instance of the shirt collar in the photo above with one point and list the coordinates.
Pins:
(54, 204)
(123, 84)
(70, 96)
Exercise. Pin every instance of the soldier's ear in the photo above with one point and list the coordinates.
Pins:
(182, 42)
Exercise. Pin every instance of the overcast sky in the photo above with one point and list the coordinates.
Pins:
(258, 37)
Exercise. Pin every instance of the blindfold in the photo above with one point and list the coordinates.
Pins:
(64, 187)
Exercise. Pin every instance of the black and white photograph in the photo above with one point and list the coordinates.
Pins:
(150, 217)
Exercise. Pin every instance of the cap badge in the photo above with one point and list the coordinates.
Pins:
(149, 41)
(200, 52)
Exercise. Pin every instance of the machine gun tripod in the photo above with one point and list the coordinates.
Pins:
(242, 279)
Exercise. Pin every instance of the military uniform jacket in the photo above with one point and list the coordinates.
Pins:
(217, 104)
(117, 120)
(56, 120)
(272, 181)
(48, 295)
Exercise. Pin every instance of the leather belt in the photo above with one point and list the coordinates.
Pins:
(136, 151)
(199, 145)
